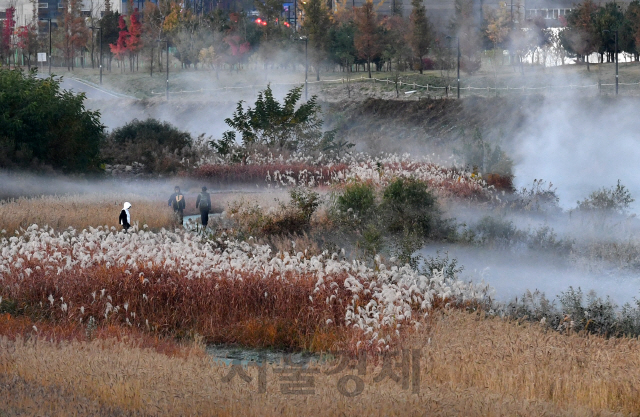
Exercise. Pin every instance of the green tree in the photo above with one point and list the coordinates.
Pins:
(419, 32)
(608, 17)
(581, 37)
(110, 32)
(42, 124)
(630, 30)
(277, 125)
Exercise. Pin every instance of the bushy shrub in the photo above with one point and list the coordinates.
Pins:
(293, 218)
(577, 313)
(160, 146)
(358, 198)
(42, 125)
(285, 126)
(614, 199)
(408, 204)
(480, 156)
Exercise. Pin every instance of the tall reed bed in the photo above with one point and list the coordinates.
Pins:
(179, 284)
(445, 181)
(470, 366)
(81, 211)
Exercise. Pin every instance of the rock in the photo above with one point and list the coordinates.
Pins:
(128, 168)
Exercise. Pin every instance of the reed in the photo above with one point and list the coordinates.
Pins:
(471, 366)
(82, 211)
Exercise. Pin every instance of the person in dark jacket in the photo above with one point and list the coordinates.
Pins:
(204, 204)
(125, 216)
(176, 201)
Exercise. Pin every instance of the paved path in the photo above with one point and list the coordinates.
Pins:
(91, 90)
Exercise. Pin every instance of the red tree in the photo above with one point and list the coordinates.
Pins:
(7, 31)
(120, 48)
(134, 41)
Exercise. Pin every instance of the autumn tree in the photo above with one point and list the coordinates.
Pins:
(367, 37)
(75, 31)
(133, 42)
(498, 25)
(28, 42)
(119, 49)
(153, 26)
(6, 34)
(316, 26)
(419, 32)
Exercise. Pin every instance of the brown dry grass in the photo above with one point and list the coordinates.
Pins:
(471, 366)
(82, 211)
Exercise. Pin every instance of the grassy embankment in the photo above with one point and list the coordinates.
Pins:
(140, 84)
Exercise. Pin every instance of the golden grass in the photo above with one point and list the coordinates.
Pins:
(471, 366)
(82, 211)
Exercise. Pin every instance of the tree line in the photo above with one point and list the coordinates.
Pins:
(348, 38)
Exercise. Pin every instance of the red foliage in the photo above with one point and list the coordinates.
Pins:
(250, 173)
(7, 30)
(276, 311)
(134, 40)
(120, 48)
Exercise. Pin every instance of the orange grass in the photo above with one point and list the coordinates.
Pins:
(249, 310)
(81, 211)
(257, 173)
(470, 366)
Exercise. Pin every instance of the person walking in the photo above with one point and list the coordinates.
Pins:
(176, 201)
(125, 216)
(204, 204)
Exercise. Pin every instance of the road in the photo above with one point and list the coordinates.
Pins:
(93, 92)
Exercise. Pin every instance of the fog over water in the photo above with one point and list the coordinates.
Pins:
(581, 146)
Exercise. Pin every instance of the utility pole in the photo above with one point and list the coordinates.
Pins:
(49, 43)
(306, 64)
(458, 42)
(615, 33)
(100, 64)
(167, 88)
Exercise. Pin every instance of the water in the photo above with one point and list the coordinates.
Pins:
(229, 355)
(511, 273)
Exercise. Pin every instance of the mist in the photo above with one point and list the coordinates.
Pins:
(512, 273)
(580, 145)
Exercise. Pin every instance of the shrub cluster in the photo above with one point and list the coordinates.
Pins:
(42, 125)
(159, 146)
(398, 218)
(577, 313)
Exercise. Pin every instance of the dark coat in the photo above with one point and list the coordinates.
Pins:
(177, 201)
(123, 220)
(204, 201)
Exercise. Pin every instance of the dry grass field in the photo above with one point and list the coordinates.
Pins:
(470, 366)
(81, 211)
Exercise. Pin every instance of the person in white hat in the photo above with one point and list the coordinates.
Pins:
(125, 216)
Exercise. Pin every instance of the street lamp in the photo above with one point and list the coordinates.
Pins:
(615, 32)
(49, 43)
(458, 41)
(167, 42)
(306, 64)
(100, 29)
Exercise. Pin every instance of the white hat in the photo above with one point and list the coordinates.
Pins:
(127, 205)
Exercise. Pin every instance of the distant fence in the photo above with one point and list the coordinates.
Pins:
(437, 91)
